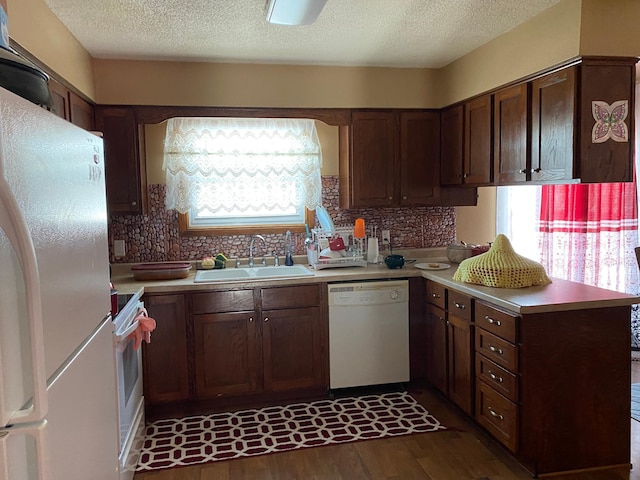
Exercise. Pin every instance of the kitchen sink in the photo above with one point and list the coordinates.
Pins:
(255, 273)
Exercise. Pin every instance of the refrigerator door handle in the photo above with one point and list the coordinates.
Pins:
(36, 430)
(15, 227)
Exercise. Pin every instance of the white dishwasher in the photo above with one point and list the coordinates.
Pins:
(368, 333)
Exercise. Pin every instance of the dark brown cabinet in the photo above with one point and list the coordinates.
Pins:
(450, 344)
(452, 145)
(553, 112)
(70, 106)
(226, 351)
(523, 378)
(478, 144)
(394, 159)
(511, 161)
(259, 341)
(125, 169)
(165, 364)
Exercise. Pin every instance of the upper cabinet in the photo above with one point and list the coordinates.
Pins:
(477, 141)
(553, 115)
(573, 124)
(510, 129)
(70, 106)
(393, 160)
(124, 164)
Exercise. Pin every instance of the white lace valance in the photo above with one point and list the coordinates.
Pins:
(241, 164)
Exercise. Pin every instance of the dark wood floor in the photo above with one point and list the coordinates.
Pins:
(452, 455)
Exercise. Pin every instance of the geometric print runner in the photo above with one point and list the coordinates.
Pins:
(223, 436)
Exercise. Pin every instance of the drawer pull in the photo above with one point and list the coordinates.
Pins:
(496, 350)
(494, 414)
(495, 377)
(459, 305)
(497, 323)
(435, 295)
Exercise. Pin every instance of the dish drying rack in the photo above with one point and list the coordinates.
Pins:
(353, 246)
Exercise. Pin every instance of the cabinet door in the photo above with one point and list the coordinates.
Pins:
(510, 128)
(460, 372)
(125, 176)
(373, 164)
(292, 349)
(437, 348)
(225, 354)
(59, 99)
(80, 112)
(165, 364)
(607, 80)
(553, 113)
(451, 145)
(478, 141)
(419, 158)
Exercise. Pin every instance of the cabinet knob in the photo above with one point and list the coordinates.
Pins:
(536, 170)
(134, 203)
(465, 175)
(522, 170)
(497, 323)
(390, 198)
(459, 305)
(250, 319)
(266, 319)
(404, 197)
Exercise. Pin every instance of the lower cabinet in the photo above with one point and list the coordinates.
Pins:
(165, 359)
(450, 344)
(542, 384)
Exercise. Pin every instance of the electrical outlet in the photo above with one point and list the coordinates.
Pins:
(386, 236)
(119, 249)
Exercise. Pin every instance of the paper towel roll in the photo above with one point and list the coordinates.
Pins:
(372, 250)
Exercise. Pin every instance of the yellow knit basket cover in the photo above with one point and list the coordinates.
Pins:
(501, 267)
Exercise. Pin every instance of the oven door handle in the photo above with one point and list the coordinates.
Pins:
(123, 334)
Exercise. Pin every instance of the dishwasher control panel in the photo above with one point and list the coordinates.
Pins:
(365, 293)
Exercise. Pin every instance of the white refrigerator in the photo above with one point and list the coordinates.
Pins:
(58, 407)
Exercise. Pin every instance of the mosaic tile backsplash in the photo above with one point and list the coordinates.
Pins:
(155, 237)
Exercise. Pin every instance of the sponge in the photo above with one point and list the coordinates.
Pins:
(220, 260)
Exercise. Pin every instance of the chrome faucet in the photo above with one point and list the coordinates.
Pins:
(264, 244)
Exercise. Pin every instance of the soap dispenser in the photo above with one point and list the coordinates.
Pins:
(288, 248)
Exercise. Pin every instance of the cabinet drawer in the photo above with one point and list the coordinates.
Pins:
(222, 301)
(459, 305)
(501, 379)
(290, 297)
(497, 349)
(498, 415)
(496, 321)
(436, 294)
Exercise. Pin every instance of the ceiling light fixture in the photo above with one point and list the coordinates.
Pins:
(294, 12)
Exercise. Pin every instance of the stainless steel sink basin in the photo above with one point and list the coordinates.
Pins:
(255, 273)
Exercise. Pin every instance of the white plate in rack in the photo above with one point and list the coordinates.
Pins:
(432, 266)
(325, 220)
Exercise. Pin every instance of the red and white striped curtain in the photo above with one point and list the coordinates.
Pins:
(588, 233)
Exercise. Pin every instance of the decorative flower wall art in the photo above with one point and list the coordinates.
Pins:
(610, 121)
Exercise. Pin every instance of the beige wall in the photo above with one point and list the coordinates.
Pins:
(478, 224)
(37, 29)
(610, 27)
(547, 39)
(244, 85)
(154, 142)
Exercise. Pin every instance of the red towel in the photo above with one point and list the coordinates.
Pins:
(146, 325)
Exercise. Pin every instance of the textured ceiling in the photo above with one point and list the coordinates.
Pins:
(389, 33)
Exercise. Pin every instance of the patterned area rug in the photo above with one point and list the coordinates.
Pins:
(223, 436)
(635, 401)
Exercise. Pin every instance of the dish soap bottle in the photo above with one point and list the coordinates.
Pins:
(288, 249)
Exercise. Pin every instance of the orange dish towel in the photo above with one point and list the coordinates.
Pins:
(146, 325)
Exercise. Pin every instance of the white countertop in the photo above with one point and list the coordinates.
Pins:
(560, 295)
